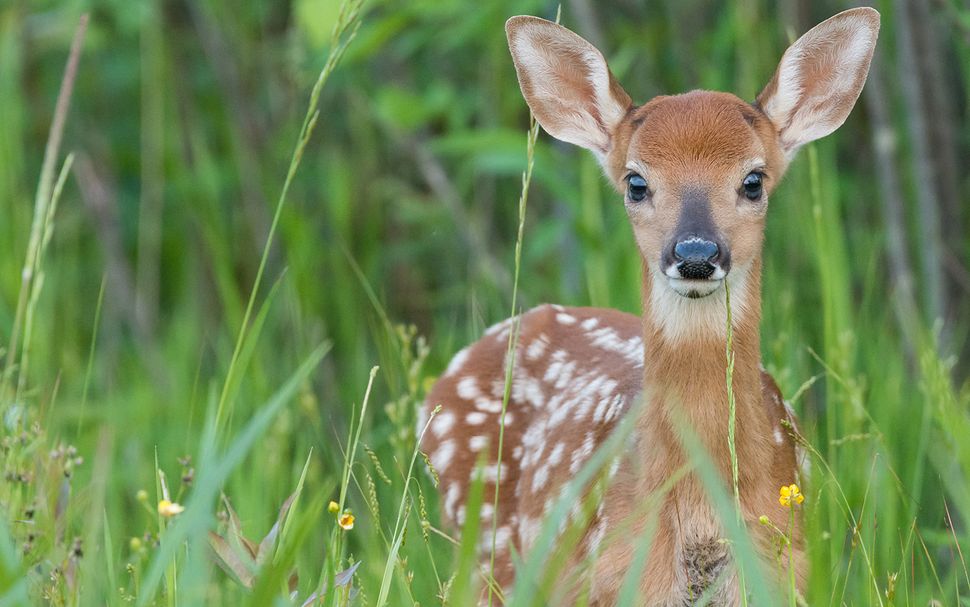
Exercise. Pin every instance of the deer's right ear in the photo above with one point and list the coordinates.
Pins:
(566, 83)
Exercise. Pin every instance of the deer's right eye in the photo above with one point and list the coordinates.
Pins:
(636, 188)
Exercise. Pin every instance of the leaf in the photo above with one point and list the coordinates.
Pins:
(229, 560)
(266, 546)
(346, 576)
(235, 526)
(296, 498)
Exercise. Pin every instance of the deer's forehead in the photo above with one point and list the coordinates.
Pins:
(715, 132)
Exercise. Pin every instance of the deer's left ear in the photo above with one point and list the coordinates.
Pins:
(820, 77)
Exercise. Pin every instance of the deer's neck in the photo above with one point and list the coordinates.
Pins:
(685, 374)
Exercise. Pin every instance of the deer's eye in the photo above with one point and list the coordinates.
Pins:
(753, 185)
(636, 188)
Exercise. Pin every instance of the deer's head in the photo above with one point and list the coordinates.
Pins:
(696, 170)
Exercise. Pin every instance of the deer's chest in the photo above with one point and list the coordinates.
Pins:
(704, 576)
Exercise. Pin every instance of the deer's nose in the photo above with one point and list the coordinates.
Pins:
(696, 257)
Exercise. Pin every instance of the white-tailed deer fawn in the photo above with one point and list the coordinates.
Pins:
(696, 171)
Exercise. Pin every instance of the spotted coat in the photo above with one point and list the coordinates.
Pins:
(576, 372)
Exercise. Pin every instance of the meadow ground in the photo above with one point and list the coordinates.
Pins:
(241, 248)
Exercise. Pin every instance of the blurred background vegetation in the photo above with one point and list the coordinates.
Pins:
(395, 247)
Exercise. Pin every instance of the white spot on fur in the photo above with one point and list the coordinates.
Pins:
(491, 473)
(608, 339)
(477, 443)
(779, 439)
(529, 529)
(451, 499)
(554, 368)
(467, 388)
(565, 375)
(457, 362)
(590, 323)
(476, 418)
(556, 456)
(579, 457)
(597, 535)
(442, 456)
(616, 407)
(565, 319)
(488, 405)
(538, 347)
(442, 423)
(502, 536)
(499, 327)
(540, 478)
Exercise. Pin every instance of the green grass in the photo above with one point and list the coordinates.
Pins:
(266, 211)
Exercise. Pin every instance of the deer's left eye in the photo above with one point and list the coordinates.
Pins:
(753, 185)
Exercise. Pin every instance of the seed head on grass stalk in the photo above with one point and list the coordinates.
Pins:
(39, 230)
(513, 334)
(38, 275)
(401, 524)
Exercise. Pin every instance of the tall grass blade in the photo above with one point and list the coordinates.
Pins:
(343, 34)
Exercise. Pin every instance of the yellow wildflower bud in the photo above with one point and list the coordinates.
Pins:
(141, 496)
(169, 509)
(346, 521)
(333, 507)
(135, 544)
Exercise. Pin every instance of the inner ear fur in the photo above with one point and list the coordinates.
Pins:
(567, 84)
(820, 78)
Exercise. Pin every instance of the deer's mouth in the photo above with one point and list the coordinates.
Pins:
(694, 289)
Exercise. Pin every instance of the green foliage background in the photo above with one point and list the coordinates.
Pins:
(403, 212)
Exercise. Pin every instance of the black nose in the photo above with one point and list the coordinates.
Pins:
(695, 258)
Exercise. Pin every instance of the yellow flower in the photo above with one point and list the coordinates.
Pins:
(333, 507)
(169, 509)
(788, 494)
(346, 521)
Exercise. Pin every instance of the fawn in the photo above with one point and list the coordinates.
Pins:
(696, 171)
